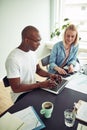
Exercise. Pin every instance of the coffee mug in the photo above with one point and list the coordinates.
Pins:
(47, 109)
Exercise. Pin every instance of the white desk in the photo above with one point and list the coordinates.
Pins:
(78, 82)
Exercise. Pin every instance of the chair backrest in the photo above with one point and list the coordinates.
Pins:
(45, 60)
(6, 81)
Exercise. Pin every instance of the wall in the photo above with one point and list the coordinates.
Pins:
(14, 16)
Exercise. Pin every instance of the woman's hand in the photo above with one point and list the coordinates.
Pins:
(60, 70)
(70, 69)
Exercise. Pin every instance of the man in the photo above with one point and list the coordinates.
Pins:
(21, 65)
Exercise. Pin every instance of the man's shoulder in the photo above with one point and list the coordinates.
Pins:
(11, 56)
(15, 52)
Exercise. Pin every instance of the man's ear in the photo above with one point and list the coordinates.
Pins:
(26, 40)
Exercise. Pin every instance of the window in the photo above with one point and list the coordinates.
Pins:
(76, 11)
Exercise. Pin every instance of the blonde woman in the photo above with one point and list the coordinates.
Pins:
(65, 52)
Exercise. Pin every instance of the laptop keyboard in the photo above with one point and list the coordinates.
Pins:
(60, 85)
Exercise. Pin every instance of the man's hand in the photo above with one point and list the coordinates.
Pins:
(48, 83)
(57, 78)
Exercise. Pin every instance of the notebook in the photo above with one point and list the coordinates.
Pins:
(59, 87)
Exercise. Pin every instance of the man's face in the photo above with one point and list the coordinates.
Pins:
(34, 41)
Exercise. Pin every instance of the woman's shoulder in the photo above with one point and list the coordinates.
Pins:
(75, 45)
(60, 43)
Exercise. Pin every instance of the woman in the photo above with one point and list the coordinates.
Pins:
(64, 53)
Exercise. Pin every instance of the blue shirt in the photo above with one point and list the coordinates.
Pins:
(58, 56)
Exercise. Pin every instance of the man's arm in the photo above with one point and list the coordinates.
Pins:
(17, 86)
(42, 72)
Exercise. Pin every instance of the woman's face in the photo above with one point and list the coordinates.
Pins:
(70, 37)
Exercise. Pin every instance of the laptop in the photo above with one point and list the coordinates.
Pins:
(58, 88)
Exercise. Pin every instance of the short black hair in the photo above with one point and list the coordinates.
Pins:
(28, 31)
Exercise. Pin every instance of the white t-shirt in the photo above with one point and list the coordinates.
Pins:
(21, 64)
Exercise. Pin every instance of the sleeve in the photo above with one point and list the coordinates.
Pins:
(74, 56)
(52, 60)
(12, 68)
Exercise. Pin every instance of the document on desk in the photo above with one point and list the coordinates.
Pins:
(10, 122)
(78, 82)
(30, 118)
(81, 127)
(82, 111)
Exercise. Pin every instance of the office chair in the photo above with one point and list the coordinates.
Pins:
(6, 81)
(45, 61)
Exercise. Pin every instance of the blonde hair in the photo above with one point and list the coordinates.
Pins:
(71, 27)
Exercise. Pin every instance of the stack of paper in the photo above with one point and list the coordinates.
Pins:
(10, 122)
(30, 118)
(26, 119)
(82, 111)
(81, 127)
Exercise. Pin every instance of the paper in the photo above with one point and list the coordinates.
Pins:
(78, 82)
(81, 127)
(30, 119)
(9, 122)
(82, 111)
(26, 119)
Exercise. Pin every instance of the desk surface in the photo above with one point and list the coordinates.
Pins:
(62, 101)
